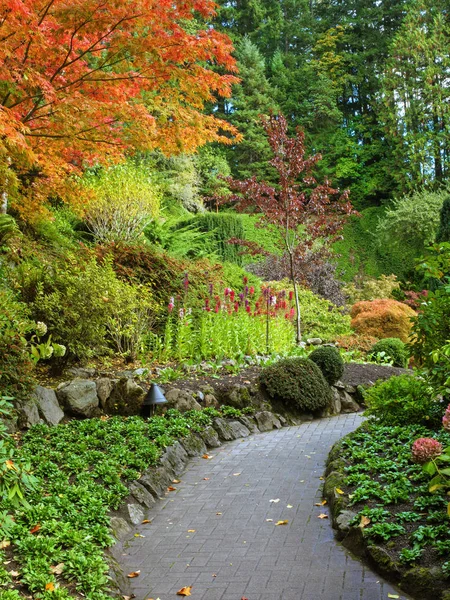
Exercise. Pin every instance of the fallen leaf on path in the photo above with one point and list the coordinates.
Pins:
(185, 591)
(289, 506)
(205, 478)
(176, 481)
(364, 521)
(393, 596)
(269, 520)
(58, 569)
(322, 516)
(276, 500)
(191, 530)
(321, 503)
(145, 521)
(50, 587)
(339, 491)
(218, 513)
(171, 488)
(236, 474)
(307, 456)
(285, 522)
(138, 535)
(35, 528)
(207, 456)
(133, 574)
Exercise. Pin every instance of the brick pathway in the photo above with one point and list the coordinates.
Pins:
(236, 551)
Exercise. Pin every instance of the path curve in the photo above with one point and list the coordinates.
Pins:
(236, 550)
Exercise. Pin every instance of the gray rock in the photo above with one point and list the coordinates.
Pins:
(282, 420)
(194, 445)
(200, 396)
(238, 396)
(174, 459)
(350, 389)
(347, 402)
(267, 421)
(136, 513)
(344, 519)
(142, 495)
(238, 429)
(339, 385)
(125, 399)
(28, 414)
(314, 341)
(210, 437)
(181, 400)
(79, 397)
(47, 405)
(156, 481)
(82, 373)
(249, 423)
(119, 527)
(335, 406)
(104, 388)
(140, 372)
(229, 430)
(11, 424)
(211, 401)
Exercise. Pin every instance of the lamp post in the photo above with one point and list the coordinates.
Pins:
(153, 397)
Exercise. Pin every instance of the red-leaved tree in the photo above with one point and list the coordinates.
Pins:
(305, 211)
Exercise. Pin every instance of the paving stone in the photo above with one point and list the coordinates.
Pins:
(227, 501)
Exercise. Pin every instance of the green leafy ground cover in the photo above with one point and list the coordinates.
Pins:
(391, 495)
(82, 468)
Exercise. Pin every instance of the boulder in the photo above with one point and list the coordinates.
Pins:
(267, 421)
(81, 372)
(104, 386)
(348, 404)
(125, 399)
(344, 519)
(194, 445)
(335, 406)
(136, 513)
(156, 481)
(238, 396)
(211, 401)
(142, 495)
(249, 423)
(119, 527)
(174, 459)
(47, 405)
(28, 414)
(181, 400)
(314, 341)
(79, 397)
(210, 437)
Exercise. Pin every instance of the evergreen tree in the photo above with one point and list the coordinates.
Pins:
(443, 234)
(251, 99)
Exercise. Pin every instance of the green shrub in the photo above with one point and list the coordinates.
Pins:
(371, 288)
(221, 227)
(298, 383)
(15, 363)
(329, 361)
(404, 400)
(8, 229)
(89, 310)
(392, 349)
(443, 234)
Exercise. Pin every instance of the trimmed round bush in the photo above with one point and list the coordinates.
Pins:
(393, 348)
(329, 361)
(298, 383)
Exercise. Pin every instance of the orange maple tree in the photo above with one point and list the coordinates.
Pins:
(85, 81)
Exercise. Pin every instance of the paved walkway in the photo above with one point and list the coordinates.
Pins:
(233, 501)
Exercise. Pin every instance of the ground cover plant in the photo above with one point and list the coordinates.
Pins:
(390, 492)
(78, 472)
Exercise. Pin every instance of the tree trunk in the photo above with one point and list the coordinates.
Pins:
(298, 337)
(4, 203)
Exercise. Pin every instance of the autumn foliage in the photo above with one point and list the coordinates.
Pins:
(85, 81)
(382, 318)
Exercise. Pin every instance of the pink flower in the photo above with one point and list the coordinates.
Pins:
(171, 305)
(232, 294)
(446, 419)
(248, 309)
(227, 291)
(292, 312)
(252, 290)
(424, 449)
(245, 280)
(291, 295)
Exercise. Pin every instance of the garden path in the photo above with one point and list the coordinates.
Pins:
(233, 501)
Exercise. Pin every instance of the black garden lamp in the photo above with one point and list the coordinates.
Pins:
(153, 397)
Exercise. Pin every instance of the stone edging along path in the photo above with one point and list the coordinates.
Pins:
(216, 533)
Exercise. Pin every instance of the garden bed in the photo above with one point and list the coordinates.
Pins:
(383, 511)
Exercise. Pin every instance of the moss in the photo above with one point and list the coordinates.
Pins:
(383, 561)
